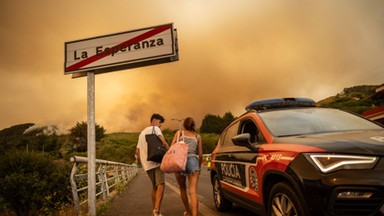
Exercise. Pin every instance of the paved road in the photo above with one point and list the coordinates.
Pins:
(135, 200)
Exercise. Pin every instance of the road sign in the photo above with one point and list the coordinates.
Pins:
(119, 51)
(137, 48)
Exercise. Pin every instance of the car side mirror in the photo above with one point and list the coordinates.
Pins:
(244, 139)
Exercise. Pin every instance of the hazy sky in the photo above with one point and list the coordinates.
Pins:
(231, 53)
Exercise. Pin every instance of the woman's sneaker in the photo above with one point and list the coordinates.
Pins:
(157, 213)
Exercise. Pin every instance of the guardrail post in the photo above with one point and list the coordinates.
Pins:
(116, 174)
(124, 174)
(76, 200)
(106, 180)
(102, 180)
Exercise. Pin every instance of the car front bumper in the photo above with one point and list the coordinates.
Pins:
(345, 192)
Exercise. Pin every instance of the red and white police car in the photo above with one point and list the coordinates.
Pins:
(286, 156)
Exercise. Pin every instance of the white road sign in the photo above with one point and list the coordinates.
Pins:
(117, 51)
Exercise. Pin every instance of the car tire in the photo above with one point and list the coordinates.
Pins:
(283, 200)
(221, 203)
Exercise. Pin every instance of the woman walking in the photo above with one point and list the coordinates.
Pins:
(192, 171)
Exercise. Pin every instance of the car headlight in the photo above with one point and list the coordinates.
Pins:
(331, 162)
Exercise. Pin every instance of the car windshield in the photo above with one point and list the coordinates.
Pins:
(313, 120)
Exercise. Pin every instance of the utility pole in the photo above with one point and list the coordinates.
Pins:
(179, 120)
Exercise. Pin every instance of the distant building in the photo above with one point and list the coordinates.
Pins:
(377, 113)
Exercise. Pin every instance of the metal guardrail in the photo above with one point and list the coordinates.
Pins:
(110, 176)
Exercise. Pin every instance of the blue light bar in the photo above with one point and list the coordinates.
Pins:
(276, 103)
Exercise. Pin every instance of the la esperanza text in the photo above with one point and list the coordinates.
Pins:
(101, 51)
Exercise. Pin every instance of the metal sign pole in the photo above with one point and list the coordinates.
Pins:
(81, 56)
(91, 140)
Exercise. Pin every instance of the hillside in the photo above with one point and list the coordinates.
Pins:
(355, 99)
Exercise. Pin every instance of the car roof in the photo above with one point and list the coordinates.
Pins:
(278, 103)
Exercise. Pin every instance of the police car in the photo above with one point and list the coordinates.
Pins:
(286, 156)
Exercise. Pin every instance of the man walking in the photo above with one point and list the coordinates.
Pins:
(153, 168)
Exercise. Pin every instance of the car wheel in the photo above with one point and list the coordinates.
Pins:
(221, 203)
(283, 200)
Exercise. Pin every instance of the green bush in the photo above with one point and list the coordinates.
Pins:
(33, 183)
(209, 142)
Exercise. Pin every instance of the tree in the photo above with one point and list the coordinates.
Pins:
(79, 133)
(227, 119)
(216, 124)
(211, 124)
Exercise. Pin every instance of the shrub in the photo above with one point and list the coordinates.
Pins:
(32, 183)
(209, 142)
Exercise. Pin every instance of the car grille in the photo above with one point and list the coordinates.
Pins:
(374, 205)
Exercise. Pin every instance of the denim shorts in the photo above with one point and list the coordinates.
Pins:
(192, 166)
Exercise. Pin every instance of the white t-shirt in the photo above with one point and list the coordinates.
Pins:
(142, 145)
